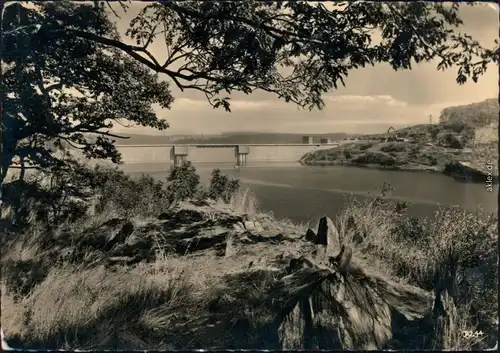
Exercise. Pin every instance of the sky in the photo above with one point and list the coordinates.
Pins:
(374, 98)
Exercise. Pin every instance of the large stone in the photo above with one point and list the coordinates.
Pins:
(109, 234)
(239, 227)
(328, 234)
(353, 312)
(253, 226)
(310, 235)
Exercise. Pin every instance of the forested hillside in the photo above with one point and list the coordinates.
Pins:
(478, 114)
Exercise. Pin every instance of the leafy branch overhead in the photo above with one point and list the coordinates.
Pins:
(297, 50)
(69, 78)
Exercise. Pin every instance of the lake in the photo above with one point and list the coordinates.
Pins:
(304, 194)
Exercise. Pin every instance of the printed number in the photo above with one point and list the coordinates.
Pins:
(472, 334)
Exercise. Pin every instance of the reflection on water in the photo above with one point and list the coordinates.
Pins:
(306, 193)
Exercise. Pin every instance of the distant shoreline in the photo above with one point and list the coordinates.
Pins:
(408, 168)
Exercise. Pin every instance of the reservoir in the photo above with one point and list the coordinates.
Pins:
(304, 194)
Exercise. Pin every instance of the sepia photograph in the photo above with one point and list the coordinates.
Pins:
(249, 175)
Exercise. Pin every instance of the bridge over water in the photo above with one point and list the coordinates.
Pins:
(218, 153)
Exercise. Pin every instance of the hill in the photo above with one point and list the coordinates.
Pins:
(229, 138)
(478, 114)
(463, 144)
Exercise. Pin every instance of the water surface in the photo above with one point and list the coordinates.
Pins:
(306, 193)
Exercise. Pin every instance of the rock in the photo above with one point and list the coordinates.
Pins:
(109, 234)
(328, 234)
(230, 249)
(325, 310)
(253, 226)
(164, 216)
(343, 259)
(310, 235)
(119, 238)
(239, 227)
(198, 243)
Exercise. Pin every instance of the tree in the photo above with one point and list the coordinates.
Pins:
(296, 50)
(61, 90)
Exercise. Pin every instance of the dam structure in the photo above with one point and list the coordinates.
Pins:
(240, 155)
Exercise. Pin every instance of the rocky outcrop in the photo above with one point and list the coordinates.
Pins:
(335, 304)
(303, 290)
(464, 172)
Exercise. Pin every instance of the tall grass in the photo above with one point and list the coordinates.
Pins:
(99, 307)
(414, 250)
(244, 202)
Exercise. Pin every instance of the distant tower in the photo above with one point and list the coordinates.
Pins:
(430, 119)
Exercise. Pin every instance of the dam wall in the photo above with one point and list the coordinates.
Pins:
(288, 153)
(237, 154)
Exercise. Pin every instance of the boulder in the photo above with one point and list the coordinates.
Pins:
(239, 227)
(310, 235)
(109, 234)
(326, 309)
(328, 235)
(253, 226)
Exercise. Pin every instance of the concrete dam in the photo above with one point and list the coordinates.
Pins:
(175, 154)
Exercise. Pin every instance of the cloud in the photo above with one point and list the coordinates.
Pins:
(367, 100)
(236, 105)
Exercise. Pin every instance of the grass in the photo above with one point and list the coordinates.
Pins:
(208, 301)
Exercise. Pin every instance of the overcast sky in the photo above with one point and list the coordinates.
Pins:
(374, 97)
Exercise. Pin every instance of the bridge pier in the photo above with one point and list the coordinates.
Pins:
(241, 159)
(179, 160)
(242, 152)
(180, 153)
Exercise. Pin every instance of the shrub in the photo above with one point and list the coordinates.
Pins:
(130, 197)
(221, 187)
(413, 153)
(430, 160)
(393, 147)
(183, 182)
(375, 158)
(433, 132)
(409, 228)
(347, 154)
(450, 140)
(365, 146)
(456, 126)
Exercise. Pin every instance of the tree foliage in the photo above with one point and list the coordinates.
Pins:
(222, 187)
(182, 182)
(69, 75)
(61, 90)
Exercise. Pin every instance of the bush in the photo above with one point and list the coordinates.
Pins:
(429, 160)
(451, 141)
(375, 158)
(409, 228)
(433, 132)
(413, 153)
(221, 187)
(130, 197)
(365, 146)
(456, 126)
(393, 147)
(347, 154)
(183, 182)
